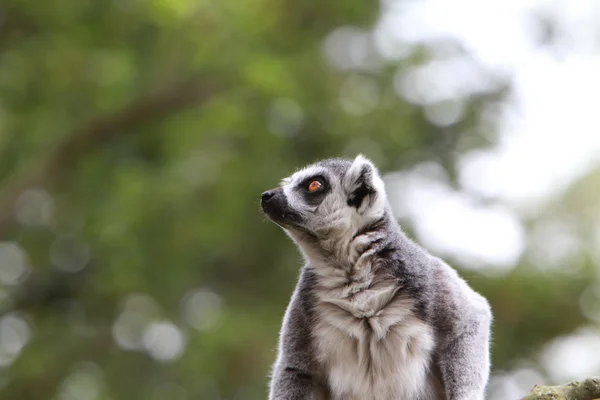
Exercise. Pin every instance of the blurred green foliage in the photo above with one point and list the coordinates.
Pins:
(135, 140)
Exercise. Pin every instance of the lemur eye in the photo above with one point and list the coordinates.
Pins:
(313, 186)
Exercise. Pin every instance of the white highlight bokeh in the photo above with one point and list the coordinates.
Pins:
(451, 223)
(70, 254)
(14, 335)
(84, 382)
(573, 357)
(550, 130)
(138, 310)
(14, 263)
(34, 207)
(201, 308)
(164, 341)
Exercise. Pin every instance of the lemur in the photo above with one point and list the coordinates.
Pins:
(374, 316)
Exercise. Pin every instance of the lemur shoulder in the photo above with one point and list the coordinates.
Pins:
(373, 315)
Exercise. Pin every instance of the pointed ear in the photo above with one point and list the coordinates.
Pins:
(364, 187)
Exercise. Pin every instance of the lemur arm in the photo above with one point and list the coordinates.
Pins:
(292, 377)
(463, 324)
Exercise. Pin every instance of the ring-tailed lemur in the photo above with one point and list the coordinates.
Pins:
(374, 316)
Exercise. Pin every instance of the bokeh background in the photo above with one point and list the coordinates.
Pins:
(137, 135)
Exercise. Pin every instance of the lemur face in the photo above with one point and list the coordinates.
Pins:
(326, 197)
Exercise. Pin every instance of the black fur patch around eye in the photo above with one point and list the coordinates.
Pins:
(364, 188)
(314, 198)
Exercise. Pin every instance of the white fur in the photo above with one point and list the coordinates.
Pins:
(367, 337)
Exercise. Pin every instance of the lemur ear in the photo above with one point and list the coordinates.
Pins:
(364, 186)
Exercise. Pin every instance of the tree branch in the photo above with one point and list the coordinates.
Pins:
(102, 129)
(588, 389)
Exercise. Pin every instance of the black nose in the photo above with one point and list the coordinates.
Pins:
(268, 195)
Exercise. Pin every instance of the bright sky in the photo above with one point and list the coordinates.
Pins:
(549, 130)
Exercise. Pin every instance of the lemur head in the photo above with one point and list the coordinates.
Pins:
(326, 204)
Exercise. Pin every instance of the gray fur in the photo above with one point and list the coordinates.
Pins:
(374, 315)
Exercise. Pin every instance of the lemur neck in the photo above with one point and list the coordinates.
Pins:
(354, 256)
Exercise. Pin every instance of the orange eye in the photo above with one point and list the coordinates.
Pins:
(313, 186)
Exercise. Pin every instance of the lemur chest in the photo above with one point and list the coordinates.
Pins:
(371, 345)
